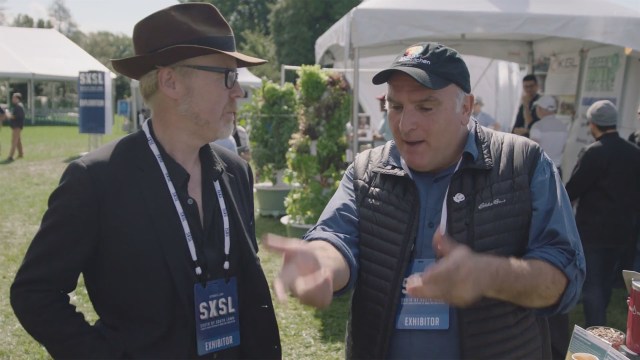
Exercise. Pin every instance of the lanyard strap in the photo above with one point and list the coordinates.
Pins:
(181, 214)
(443, 214)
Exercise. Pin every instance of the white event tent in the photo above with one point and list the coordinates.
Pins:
(519, 31)
(33, 54)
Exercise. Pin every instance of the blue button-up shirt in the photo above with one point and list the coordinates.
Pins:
(553, 237)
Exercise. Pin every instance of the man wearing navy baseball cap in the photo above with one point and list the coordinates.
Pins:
(453, 237)
(605, 181)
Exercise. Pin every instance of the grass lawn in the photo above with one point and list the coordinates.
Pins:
(26, 184)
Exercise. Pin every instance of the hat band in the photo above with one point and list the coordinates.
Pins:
(223, 43)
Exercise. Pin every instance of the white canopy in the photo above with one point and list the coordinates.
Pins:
(42, 54)
(248, 79)
(512, 30)
(519, 31)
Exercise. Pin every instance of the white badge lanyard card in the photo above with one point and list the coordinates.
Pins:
(180, 211)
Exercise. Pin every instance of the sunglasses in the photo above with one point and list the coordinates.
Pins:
(230, 75)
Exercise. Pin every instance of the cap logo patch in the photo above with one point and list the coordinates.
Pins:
(412, 54)
(413, 51)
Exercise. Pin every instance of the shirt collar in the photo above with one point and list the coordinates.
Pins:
(180, 176)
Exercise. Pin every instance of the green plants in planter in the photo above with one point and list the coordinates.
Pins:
(272, 120)
(316, 160)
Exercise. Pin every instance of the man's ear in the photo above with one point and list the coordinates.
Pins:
(168, 82)
(467, 108)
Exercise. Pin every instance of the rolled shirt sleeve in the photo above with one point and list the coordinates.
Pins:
(338, 225)
(553, 235)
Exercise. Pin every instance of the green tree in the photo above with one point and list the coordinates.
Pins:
(23, 20)
(295, 26)
(104, 46)
(42, 24)
(262, 46)
(244, 15)
(63, 21)
(2, 16)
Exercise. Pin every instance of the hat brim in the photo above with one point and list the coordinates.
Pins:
(136, 66)
(428, 80)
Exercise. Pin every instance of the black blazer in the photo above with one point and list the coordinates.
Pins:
(112, 220)
(606, 183)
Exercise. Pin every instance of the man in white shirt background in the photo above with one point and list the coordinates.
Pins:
(550, 132)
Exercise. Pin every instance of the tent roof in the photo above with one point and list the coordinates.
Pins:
(42, 54)
(247, 78)
(517, 25)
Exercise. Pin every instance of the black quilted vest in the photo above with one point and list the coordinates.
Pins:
(494, 217)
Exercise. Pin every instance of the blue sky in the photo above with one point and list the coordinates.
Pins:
(119, 16)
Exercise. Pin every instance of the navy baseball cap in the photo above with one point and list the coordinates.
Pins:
(431, 64)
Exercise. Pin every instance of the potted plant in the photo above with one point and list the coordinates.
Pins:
(316, 159)
(271, 116)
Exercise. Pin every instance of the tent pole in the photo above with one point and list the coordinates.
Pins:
(355, 107)
(32, 101)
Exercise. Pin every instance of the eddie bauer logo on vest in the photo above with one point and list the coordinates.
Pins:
(488, 204)
(214, 308)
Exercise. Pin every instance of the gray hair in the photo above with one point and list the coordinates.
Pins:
(149, 81)
(460, 97)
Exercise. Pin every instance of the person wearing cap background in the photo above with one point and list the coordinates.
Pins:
(549, 131)
(482, 117)
(482, 211)
(159, 223)
(606, 185)
(527, 116)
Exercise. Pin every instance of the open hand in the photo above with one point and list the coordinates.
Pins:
(302, 274)
(457, 278)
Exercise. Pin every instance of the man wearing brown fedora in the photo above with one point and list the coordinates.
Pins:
(159, 223)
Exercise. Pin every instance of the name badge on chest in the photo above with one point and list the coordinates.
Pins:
(418, 313)
(217, 315)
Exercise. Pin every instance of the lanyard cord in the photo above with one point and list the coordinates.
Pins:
(181, 214)
(443, 213)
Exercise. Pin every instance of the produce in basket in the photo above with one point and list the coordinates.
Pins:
(612, 336)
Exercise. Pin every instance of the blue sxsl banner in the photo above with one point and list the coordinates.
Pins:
(123, 107)
(91, 102)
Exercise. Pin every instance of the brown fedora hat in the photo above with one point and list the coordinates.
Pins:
(180, 32)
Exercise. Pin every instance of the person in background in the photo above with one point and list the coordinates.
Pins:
(549, 131)
(634, 138)
(3, 117)
(228, 143)
(383, 132)
(526, 112)
(483, 118)
(456, 239)
(160, 224)
(16, 122)
(242, 141)
(605, 183)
